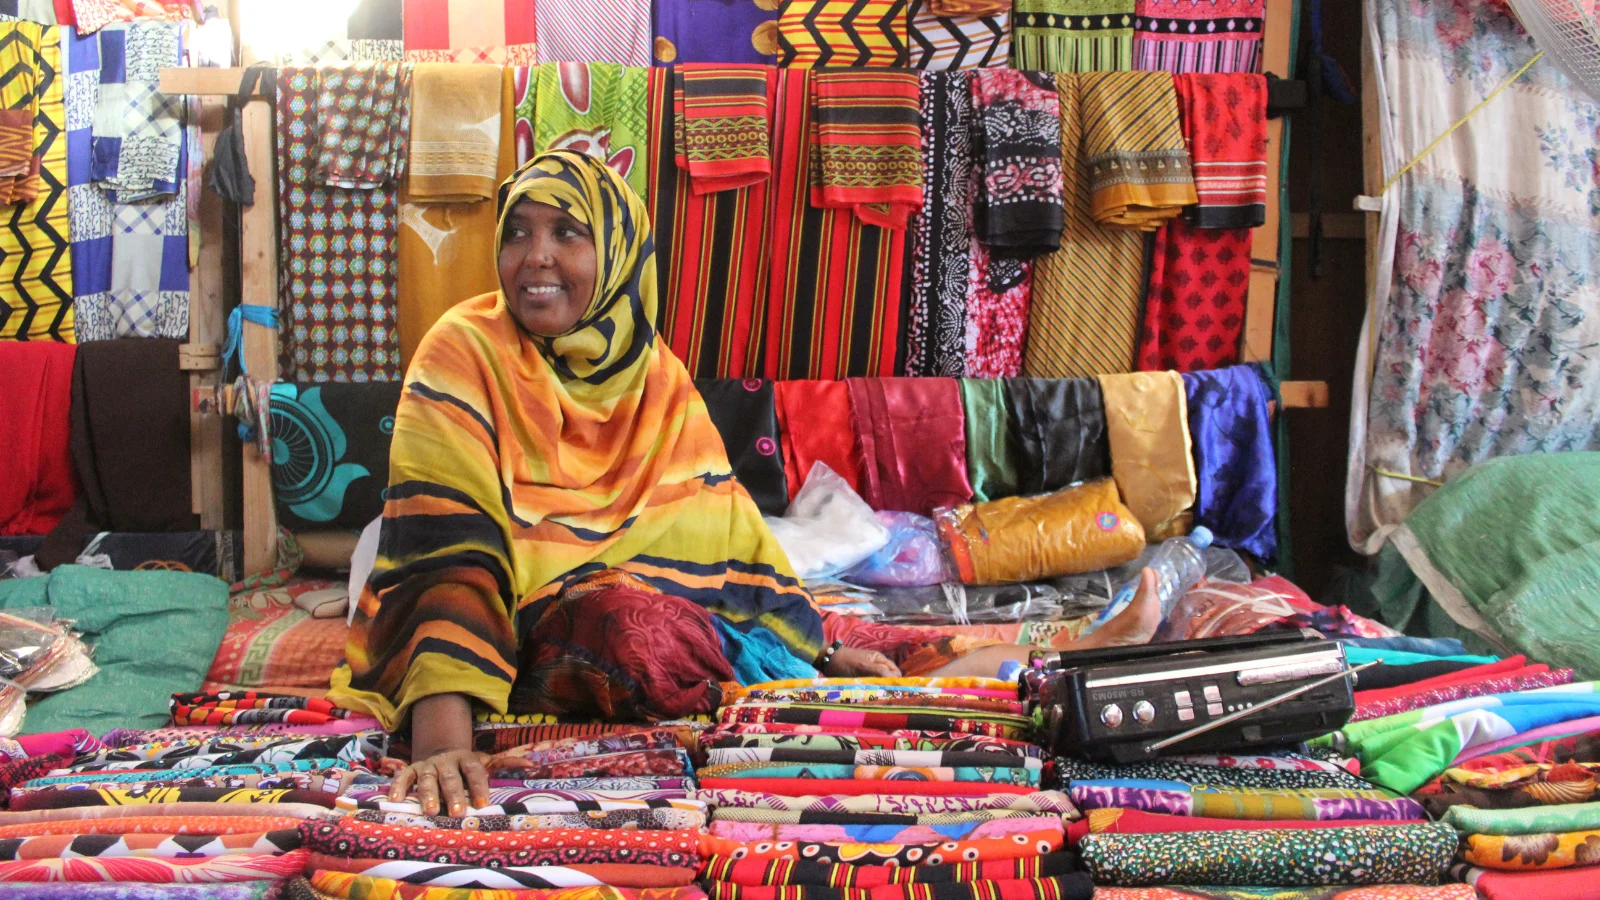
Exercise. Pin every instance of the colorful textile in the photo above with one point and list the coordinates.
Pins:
(1535, 885)
(902, 758)
(842, 33)
(553, 847)
(356, 875)
(1539, 821)
(1213, 36)
(803, 817)
(341, 433)
(841, 319)
(1180, 799)
(338, 269)
(498, 32)
(1018, 204)
(725, 523)
(270, 642)
(1385, 892)
(19, 167)
(993, 454)
(756, 872)
(597, 108)
(149, 845)
(93, 15)
(1084, 528)
(715, 31)
(1194, 313)
(35, 267)
(363, 120)
(1138, 165)
(909, 802)
(749, 832)
(711, 258)
(1073, 35)
(911, 435)
(746, 415)
(1016, 846)
(1151, 456)
(137, 131)
(1224, 124)
(869, 740)
(1067, 887)
(940, 39)
(660, 819)
(373, 801)
(579, 31)
(35, 414)
(941, 235)
(866, 144)
(258, 867)
(252, 708)
(1058, 427)
(1538, 850)
(861, 787)
(454, 154)
(997, 725)
(244, 890)
(153, 795)
(722, 119)
(799, 402)
(631, 763)
(1390, 854)
(1511, 665)
(345, 886)
(1235, 466)
(1435, 696)
(198, 753)
(192, 808)
(1563, 784)
(1117, 820)
(870, 773)
(1270, 773)
(563, 749)
(164, 825)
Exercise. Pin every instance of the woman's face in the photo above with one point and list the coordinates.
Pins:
(547, 268)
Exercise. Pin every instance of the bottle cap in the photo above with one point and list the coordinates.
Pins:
(1201, 537)
(1009, 670)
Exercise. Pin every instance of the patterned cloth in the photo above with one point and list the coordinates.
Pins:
(1225, 127)
(660, 819)
(1067, 887)
(150, 845)
(1278, 773)
(745, 413)
(1073, 35)
(842, 33)
(757, 873)
(1421, 699)
(581, 31)
(174, 825)
(1017, 143)
(516, 802)
(804, 817)
(252, 708)
(902, 758)
(941, 234)
(1389, 854)
(715, 31)
(138, 133)
(1138, 165)
(336, 261)
(573, 748)
(1208, 36)
(995, 725)
(258, 867)
(35, 268)
(1538, 820)
(552, 847)
(722, 119)
(963, 774)
(913, 804)
(1183, 799)
(357, 879)
(943, 40)
(1385, 892)
(866, 144)
(159, 794)
(1194, 313)
(1540, 850)
(631, 763)
(1012, 847)
(881, 834)
(455, 150)
(859, 741)
(497, 32)
(363, 120)
(593, 108)
(93, 15)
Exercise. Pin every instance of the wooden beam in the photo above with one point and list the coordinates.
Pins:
(258, 255)
(1304, 394)
(1261, 301)
(207, 300)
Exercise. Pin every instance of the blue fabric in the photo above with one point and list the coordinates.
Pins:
(1359, 655)
(1233, 459)
(1425, 646)
(758, 656)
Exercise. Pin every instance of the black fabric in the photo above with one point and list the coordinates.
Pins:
(1384, 676)
(230, 176)
(183, 551)
(376, 20)
(1008, 134)
(1060, 430)
(746, 415)
(330, 458)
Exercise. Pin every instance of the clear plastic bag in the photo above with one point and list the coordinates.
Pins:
(13, 708)
(1069, 597)
(26, 638)
(912, 558)
(828, 528)
(1223, 609)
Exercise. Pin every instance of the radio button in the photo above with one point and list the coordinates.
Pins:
(1213, 694)
(1111, 715)
(1185, 714)
(1182, 698)
(1143, 712)
(1214, 709)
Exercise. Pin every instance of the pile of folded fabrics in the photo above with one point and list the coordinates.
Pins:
(902, 787)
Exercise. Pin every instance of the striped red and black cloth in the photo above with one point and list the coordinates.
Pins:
(866, 144)
(252, 708)
(722, 125)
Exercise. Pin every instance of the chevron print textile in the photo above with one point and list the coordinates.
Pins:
(1073, 35)
(617, 31)
(939, 41)
(722, 125)
(843, 33)
(1198, 35)
(716, 31)
(1085, 314)
(866, 144)
(495, 32)
(1139, 169)
(35, 236)
(19, 109)
(941, 235)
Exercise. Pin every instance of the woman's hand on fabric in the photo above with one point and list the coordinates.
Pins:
(852, 662)
(445, 783)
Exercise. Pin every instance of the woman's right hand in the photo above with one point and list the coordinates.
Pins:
(447, 781)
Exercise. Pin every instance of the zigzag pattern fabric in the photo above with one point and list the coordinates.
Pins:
(957, 42)
(35, 237)
(842, 33)
(19, 107)
(1073, 35)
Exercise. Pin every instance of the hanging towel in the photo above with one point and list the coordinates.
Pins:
(1225, 123)
(617, 32)
(1073, 35)
(362, 120)
(722, 125)
(866, 144)
(810, 415)
(1147, 423)
(912, 438)
(711, 258)
(842, 33)
(35, 403)
(993, 458)
(1185, 36)
(1059, 428)
(1139, 170)
(35, 265)
(493, 32)
(595, 108)
(1017, 144)
(1237, 496)
(941, 234)
(455, 133)
(715, 31)
(746, 415)
(959, 40)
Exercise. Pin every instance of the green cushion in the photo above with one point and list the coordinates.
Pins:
(153, 633)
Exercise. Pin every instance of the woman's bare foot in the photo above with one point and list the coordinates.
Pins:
(1135, 625)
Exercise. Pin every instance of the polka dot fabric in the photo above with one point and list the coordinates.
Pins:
(351, 839)
(1016, 846)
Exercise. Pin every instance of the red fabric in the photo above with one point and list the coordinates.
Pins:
(1514, 665)
(65, 14)
(811, 417)
(1225, 125)
(1194, 313)
(1133, 821)
(427, 24)
(1500, 684)
(862, 108)
(1548, 885)
(60, 743)
(1583, 748)
(35, 405)
(912, 435)
(717, 96)
(844, 787)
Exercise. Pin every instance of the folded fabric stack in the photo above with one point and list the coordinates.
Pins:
(818, 788)
(608, 812)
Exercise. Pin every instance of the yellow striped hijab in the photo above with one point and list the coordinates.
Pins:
(522, 465)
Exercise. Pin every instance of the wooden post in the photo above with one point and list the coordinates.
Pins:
(1261, 302)
(206, 327)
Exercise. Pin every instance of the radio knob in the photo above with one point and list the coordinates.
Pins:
(1143, 712)
(1111, 715)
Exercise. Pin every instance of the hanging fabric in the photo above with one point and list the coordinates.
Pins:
(455, 133)
(598, 109)
(1225, 125)
(230, 174)
(93, 15)
(1059, 431)
(715, 31)
(35, 411)
(1073, 35)
(866, 144)
(721, 125)
(939, 39)
(35, 236)
(1207, 36)
(19, 166)
(1147, 424)
(746, 415)
(363, 121)
(492, 32)
(711, 253)
(802, 407)
(941, 234)
(993, 458)
(1140, 174)
(1236, 470)
(911, 435)
(617, 32)
(842, 33)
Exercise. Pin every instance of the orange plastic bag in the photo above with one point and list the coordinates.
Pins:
(1082, 528)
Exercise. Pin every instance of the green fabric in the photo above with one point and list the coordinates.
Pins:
(1517, 540)
(1531, 820)
(991, 447)
(153, 633)
(1358, 655)
(1072, 35)
(604, 115)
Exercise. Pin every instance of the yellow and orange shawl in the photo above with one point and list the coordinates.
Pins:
(523, 464)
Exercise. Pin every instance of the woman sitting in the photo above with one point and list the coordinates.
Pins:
(562, 533)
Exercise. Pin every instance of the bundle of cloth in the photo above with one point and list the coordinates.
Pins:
(821, 786)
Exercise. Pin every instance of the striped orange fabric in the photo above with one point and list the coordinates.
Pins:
(722, 124)
(866, 144)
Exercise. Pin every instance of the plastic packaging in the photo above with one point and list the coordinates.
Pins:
(13, 708)
(1179, 562)
(912, 558)
(1069, 597)
(828, 528)
(26, 637)
(1022, 539)
(1221, 609)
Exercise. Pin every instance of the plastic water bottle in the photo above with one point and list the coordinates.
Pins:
(1179, 562)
